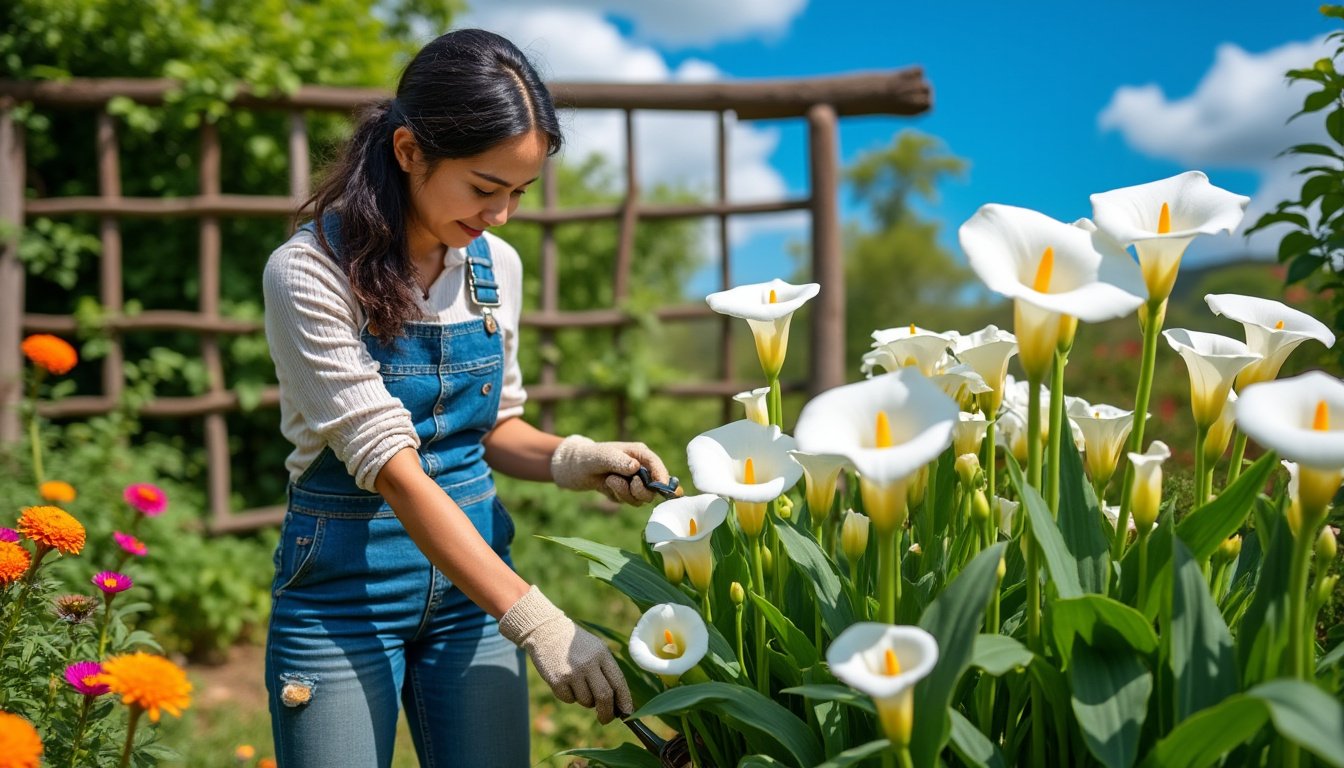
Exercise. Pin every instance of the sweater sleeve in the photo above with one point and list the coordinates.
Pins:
(325, 371)
(510, 273)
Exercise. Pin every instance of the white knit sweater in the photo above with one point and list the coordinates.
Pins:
(330, 389)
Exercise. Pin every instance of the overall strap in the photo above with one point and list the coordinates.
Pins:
(481, 274)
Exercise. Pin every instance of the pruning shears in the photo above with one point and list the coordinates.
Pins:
(668, 489)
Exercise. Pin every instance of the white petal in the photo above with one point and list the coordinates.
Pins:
(1279, 416)
(716, 458)
(857, 657)
(1130, 214)
(670, 519)
(684, 623)
(752, 302)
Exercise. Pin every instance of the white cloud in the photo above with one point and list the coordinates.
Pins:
(1234, 120)
(673, 22)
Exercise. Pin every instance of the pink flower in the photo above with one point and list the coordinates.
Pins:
(8, 534)
(129, 544)
(81, 676)
(147, 498)
(111, 582)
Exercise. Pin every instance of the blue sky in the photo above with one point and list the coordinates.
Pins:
(1048, 101)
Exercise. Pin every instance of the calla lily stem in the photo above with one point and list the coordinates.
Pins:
(888, 574)
(1238, 454)
(762, 661)
(1152, 328)
(1033, 570)
(1057, 430)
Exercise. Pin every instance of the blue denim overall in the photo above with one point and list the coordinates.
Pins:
(360, 620)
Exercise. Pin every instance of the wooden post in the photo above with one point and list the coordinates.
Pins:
(828, 269)
(11, 272)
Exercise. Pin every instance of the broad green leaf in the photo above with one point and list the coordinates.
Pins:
(1208, 526)
(855, 755)
(1304, 266)
(1080, 522)
(1261, 637)
(807, 557)
(1059, 561)
(954, 619)
(1203, 738)
(758, 761)
(745, 709)
(639, 581)
(972, 746)
(834, 693)
(1330, 659)
(624, 756)
(998, 655)
(1110, 699)
(1201, 657)
(1102, 623)
(1306, 715)
(1294, 243)
(1318, 100)
(796, 644)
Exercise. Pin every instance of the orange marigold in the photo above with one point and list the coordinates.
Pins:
(266, 762)
(14, 562)
(50, 352)
(147, 681)
(57, 492)
(52, 527)
(20, 746)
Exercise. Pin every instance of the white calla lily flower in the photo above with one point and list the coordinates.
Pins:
(820, 472)
(1302, 419)
(1007, 512)
(1220, 432)
(1146, 492)
(668, 640)
(1160, 219)
(682, 527)
(746, 462)
(885, 661)
(1112, 513)
(969, 432)
(905, 347)
(960, 382)
(1273, 331)
(768, 308)
(1214, 362)
(888, 427)
(1104, 429)
(854, 535)
(987, 352)
(1053, 271)
(754, 402)
(1011, 434)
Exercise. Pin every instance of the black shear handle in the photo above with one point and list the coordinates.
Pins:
(668, 489)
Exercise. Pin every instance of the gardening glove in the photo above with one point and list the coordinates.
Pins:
(578, 666)
(580, 464)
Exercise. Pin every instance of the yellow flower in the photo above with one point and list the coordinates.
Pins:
(149, 682)
(14, 562)
(57, 492)
(52, 527)
(244, 752)
(49, 352)
(20, 746)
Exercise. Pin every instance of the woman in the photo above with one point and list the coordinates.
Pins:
(393, 324)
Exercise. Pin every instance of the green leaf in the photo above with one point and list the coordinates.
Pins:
(639, 581)
(1080, 522)
(796, 644)
(758, 761)
(998, 655)
(1304, 266)
(1110, 700)
(1202, 739)
(1316, 186)
(1102, 623)
(1059, 562)
(954, 619)
(1294, 243)
(745, 709)
(837, 693)
(1334, 125)
(1306, 715)
(1200, 645)
(1210, 525)
(624, 756)
(972, 746)
(854, 755)
(1311, 149)
(1261, 639)
(807, 557)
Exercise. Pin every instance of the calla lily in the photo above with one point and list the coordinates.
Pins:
(1112, 513)
(959, 382)
(668, 640)
(1053, 271)
(854, 535)
(888, 427)
(1273, 331)
(969, 432)
(768, 308)
(1104, 429)
(1214, 362)
(1012, 434)
(885, 662)
(1161, 218)
(1007, 513)
(1146, 493)
(754, 401)
(682, 527)
(1302, 419)
(987, 352)
(1220, 432)
(905, 347)
(820, 471)
(746, 462)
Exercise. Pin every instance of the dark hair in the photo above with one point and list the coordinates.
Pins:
(461, 95)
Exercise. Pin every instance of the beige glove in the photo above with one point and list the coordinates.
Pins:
(580, 464)
(578, 666)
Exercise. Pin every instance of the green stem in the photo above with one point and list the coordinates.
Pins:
(1034, 642)
(1151, 330)
(130, 735)
(710, 742)
(1034, 433)
(888, 575)
(704, 606)
(107, 619)
(860, 604)
(1297, 605)
(903, 757)
(1201, 466)
(991, 456)
(1238, 453)
(1143, 570)
(690, 742)
(79, 730)
(1057, 430)
(18, 610)
(774, 403)
(762, 661)
(740, 611)
(33, 435)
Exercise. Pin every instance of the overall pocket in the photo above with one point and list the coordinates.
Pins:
(300, 540)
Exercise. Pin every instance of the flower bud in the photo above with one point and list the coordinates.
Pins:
(737, 594)
(854, 535)
(673, 569)
(915, 549)
(1325, 589)
(785, 508)
(1001, 570)
(750, 517)
(919, 483)
(1146, 491)
(968, 464)
(1229, 549)
(980, 506)
(767, 560)
(1326, 546)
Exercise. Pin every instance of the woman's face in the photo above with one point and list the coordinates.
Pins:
(461, 197)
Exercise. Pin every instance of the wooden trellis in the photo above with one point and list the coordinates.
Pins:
(819, 101)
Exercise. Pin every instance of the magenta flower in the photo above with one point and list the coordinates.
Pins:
(111, 582)
(129, 544)
(81, 676)
(147, 498)
(8, 534)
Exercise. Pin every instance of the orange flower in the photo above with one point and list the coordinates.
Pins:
(266, 762)
(149, 682)
(52, 527)
(14, 562)
(49, 352)
(20, 746)
(244, 752)
(57, 492)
